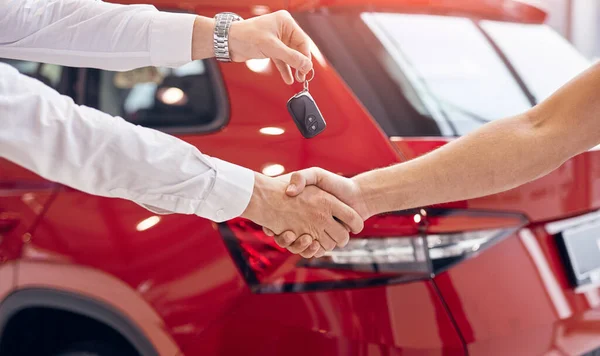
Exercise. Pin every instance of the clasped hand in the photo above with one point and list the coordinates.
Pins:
(310, 212)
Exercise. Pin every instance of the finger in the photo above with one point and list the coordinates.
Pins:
(304, 48)
(320, 253)
(300, 41)
(268, 232)
(327, 241)
(300, 244)
(286, 239)
(338, 233)
(311, 250)
(300, 179)
(342, 223)
(286, 72)
(347, 215)
(291, 57)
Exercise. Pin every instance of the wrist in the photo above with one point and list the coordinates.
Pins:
(256, 200)
(369, 195)
(202, 38)
(259, 208)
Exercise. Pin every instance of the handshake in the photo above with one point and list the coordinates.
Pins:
(308, 212)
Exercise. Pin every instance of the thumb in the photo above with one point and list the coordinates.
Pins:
(297, 184)
(302, 178)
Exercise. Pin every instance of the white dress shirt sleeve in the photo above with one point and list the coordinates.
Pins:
(91, 151)
(107, 156)
(87, 33)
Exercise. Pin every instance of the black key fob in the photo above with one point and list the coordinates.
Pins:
(306, 114)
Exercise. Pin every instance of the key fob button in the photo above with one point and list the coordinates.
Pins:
(312, 123)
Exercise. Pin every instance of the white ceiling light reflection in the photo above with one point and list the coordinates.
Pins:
(172, 96)
(147, 223)
(273, 170)
(272, 131)
(258, 65)
(260, 10)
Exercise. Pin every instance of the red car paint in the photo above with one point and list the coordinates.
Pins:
(179, 283)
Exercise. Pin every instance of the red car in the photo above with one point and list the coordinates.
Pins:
(516, 273)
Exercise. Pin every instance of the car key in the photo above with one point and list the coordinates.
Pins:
(305, 113)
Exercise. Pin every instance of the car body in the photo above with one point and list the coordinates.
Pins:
(508, 274)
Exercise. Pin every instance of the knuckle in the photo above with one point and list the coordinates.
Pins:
(288, 237)
(270, 41)
(280, 241)
(323, 200)
(295, 247)
(321, 218)
(283, 14)
(306, 240)
(310, 250)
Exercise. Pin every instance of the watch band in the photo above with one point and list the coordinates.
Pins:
(223, 22)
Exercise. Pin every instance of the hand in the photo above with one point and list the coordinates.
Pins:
(309, 215)
(276, 36)
(345, 189)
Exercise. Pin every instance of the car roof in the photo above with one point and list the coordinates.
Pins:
(526, 11)
(508, 10)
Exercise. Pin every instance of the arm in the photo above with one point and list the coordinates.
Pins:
(107, 156)
(84, 33)
(497, 157)
(486, 161)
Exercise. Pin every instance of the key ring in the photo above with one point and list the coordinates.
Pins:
(306, 80)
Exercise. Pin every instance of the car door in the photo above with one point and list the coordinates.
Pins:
(23, 194)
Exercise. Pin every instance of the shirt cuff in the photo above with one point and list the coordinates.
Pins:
(230, 194)
(171, 39)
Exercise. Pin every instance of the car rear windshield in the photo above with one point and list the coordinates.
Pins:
(431, 75)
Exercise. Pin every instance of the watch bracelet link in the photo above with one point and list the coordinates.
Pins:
(221, 36)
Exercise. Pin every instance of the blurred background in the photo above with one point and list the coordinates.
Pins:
(578, 21)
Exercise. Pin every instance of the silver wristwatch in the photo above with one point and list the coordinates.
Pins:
(223, 22)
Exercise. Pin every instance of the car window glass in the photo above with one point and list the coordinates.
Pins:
(49, 74)
(455, 62)
(160, 97)
(543, 58)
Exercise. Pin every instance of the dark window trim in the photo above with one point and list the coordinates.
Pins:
(513, 71)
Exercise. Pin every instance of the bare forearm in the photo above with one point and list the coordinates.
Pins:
(202, 38)
(499, 156)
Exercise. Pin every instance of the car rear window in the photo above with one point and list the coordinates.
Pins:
(49, 74)
(433, 75)
(454, 63)
(544, 59)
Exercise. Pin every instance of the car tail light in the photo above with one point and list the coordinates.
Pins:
(393, 248)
